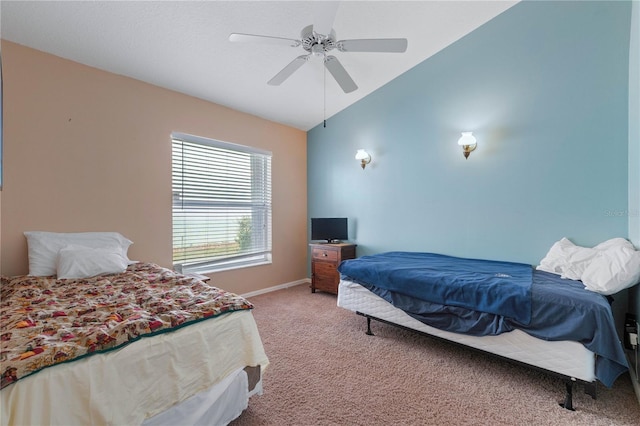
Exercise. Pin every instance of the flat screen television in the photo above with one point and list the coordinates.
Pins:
(329, 229)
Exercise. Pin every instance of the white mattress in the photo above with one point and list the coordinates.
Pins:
(139, 381)
(568, 358)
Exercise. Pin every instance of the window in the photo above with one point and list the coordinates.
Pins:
(221, 204)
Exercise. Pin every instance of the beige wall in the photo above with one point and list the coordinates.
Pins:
(87, 150)
(0, 231)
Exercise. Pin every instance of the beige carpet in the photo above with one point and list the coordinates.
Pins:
(326, 371)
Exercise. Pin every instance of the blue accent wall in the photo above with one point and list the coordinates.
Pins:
(544, 87)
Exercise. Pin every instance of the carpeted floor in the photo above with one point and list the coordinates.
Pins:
(324, 370)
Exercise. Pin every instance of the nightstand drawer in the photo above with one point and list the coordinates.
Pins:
(329, 255)
(326, 270)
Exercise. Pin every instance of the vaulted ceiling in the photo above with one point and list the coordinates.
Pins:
(184, 45)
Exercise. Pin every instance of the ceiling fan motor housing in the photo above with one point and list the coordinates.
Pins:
(317, 44)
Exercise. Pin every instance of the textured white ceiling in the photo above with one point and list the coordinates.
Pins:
(183, 45)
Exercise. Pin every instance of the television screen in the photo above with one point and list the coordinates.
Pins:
(331, 229)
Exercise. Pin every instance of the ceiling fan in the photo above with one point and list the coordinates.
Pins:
(318, 40)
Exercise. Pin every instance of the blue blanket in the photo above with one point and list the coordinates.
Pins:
(560, 310)
(500, 288)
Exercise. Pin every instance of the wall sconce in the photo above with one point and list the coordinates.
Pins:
(468, 143)
(364, 158)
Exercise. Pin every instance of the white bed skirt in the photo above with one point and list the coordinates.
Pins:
(144, 379)
(567, 358)
(216, 406)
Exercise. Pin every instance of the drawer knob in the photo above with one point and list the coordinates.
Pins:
(324, 253)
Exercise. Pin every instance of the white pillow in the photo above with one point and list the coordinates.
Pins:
(577, 260)
(613, 243)
(85, 262)
(570, 261)
(555, 260)
(613, 270)
(43, 247)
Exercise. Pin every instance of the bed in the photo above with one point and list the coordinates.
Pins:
(143, 346)
(511, 310)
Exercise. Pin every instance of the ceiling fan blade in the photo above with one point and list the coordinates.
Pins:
(389, 45)
(251, 38)
(324, 13)
(286, 72)
(340, 74)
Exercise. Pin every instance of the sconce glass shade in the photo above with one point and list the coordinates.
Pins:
(468, 143)
(364, 157)
(467, 138)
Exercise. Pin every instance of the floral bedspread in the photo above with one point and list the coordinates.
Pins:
(45, 321)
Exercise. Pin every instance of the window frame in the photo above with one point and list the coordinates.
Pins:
(264, 255)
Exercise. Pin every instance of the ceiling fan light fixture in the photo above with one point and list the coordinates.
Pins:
(317, 50)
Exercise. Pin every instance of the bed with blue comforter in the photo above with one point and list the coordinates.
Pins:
(482, 297)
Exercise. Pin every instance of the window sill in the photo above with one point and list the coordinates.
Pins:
(222, 268)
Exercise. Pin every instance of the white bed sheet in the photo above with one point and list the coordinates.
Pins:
(568, 358)
(139, 381)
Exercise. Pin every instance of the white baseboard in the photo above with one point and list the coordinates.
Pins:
(278, 287)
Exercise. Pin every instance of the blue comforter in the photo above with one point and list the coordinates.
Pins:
(559, 309)
(501, 288)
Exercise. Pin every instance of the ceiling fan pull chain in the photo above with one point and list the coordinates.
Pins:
(324, 95)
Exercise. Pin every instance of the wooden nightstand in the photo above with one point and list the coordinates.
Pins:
(325, 259)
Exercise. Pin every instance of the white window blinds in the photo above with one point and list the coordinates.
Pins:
(221, 204)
